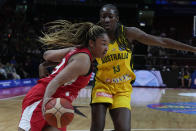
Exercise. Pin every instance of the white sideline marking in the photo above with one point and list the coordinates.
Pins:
(13, 97)
(157, 129)
(188, 94)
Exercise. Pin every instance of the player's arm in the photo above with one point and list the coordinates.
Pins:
(133, 33)
(43, 71)
(78, 65)
(56, 55)
(51, 57)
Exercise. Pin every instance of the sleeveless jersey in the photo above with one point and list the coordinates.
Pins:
(115, 67)
(68, 89)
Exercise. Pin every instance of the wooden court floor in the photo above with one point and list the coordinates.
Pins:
(143, 117)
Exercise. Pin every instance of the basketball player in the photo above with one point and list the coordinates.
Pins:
(113, 76)
(186, 77)
(112, 88)
(72, 73)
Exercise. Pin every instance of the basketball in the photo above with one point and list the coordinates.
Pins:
(59, 112)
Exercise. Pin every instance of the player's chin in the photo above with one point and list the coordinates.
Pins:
(107, 27)
(100, 55)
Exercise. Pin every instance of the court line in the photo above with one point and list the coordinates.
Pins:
(13, 97)
(164, 129)
(156, 129)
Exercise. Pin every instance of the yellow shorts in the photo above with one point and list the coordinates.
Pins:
(118, 95)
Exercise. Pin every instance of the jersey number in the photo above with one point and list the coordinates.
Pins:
(116, 69)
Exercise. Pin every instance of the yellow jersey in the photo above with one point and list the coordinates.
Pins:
(113, 77)
(115, 67)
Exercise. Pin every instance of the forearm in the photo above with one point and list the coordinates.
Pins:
(49, 92)
(173, 44)
(48, 64)
(160, 41)
(43, 71)
(55, 83)
(63, 77)
(51, 88)
(56, 55)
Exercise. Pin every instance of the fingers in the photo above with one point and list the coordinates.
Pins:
(45, 101)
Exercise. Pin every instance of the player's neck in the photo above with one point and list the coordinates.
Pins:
(93, 57)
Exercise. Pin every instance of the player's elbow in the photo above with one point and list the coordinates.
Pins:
(47, 56)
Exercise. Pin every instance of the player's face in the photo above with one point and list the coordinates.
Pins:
(100, 47)
(108, 18)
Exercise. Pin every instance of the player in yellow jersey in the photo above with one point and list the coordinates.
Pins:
(112, 86)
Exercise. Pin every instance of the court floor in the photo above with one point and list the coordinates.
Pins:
(153, 109)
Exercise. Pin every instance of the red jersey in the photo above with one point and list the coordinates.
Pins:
(31, 117)
(75, 85)
(69, 89)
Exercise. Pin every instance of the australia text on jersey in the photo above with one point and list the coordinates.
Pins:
(113, 57)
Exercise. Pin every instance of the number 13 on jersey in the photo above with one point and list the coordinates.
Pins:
(116, 69)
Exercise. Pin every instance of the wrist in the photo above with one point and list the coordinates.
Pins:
(46, 97)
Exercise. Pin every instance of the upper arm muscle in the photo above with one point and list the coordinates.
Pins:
(78, 65)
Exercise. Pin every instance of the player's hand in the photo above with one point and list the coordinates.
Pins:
(43, 72)
(45, 101)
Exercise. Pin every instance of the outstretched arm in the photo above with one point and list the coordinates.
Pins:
(133, 33)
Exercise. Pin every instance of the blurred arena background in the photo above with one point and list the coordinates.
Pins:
(159, 71)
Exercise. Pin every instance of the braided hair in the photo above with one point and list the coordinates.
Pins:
(62, 33)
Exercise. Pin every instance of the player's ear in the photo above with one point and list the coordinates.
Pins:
(91, 43)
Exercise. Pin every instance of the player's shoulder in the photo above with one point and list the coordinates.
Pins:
(82, 62)
(81, 57)
(83, 51)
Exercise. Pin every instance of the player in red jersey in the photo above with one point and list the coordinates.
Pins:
(89, 41)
